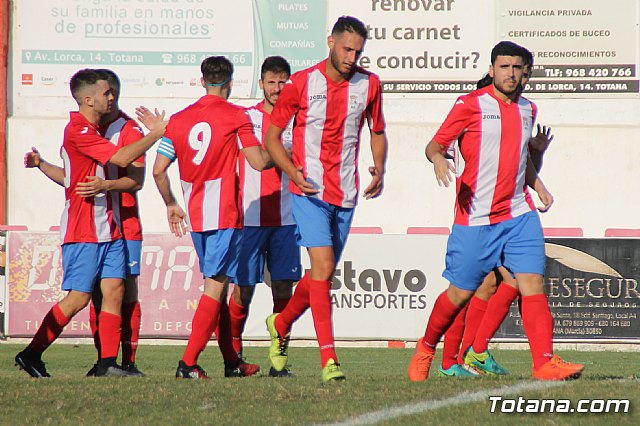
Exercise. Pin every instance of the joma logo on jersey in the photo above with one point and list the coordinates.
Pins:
(317, 97)
(490, 117)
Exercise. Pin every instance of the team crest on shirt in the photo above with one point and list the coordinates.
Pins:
(526, 122)
(353, 103)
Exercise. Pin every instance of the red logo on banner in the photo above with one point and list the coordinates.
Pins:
(169, 287)
(27, 79)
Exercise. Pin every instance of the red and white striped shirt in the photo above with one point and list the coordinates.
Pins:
(121, 132)
(205, 138)
(84, 152)
(493, 138)
(326, 131)
(265, 195)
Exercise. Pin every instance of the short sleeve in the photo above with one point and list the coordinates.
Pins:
(246, 137)
(131, 133)
(90, 143)
(455, 124)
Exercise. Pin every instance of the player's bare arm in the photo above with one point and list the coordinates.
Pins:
(128, 154)
(533, 180)
(379, 148)
(33, 159)
(538, 144)
(273, 145)
(175, 215)
(132, 182)
(441, 166)
(258, 158)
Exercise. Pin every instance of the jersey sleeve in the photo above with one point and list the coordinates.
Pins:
(287, 106)
(246, 137)
(131, 133)
(375, 118)
(90, 143)
(455, 124)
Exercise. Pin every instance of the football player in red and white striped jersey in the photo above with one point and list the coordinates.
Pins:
(91, 240)
(496, 222)
(205, 138)
(269, 230)
(330, 103)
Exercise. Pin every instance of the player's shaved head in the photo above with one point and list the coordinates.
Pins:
(216, 70)
(276, 65)
(83, 82)
(349, 24)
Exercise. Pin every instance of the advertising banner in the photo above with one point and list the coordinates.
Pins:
(157, 47)
(581, 48)
(371, 299)
(593, 291)
(384, 288)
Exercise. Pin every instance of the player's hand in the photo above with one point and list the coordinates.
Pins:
(307, 188)
(177, 220)
(152, 121)
(540, 142)
(546, 198)
(92, 187)
(377, 183)
(443, 169)
(32, 158)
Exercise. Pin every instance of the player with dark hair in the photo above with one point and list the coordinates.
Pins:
(124, 182)
(269, 230)
(92, 248)
(461, 334)
(329, 103)
(496, 222)
(205, 138)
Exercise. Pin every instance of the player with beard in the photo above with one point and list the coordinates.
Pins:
(330, 102)
(269, 230)
(92, 245)
(495, 222)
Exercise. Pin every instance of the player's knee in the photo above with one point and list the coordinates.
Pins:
(458, 296)
(323, 269)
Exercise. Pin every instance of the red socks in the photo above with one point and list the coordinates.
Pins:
(93, 324)
(497, 310)
(475, 314)
(295, 308)
(110, 332)
(443, 314)
(223, 335)
(320, 301)
(131, 315)
(52, 325)
(238, 315)
(204, 322)
(452, 339)
(538, 325)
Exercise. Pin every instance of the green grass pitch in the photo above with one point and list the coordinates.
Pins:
(376, 383)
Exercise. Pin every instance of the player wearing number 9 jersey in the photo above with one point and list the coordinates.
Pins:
(205, 139)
